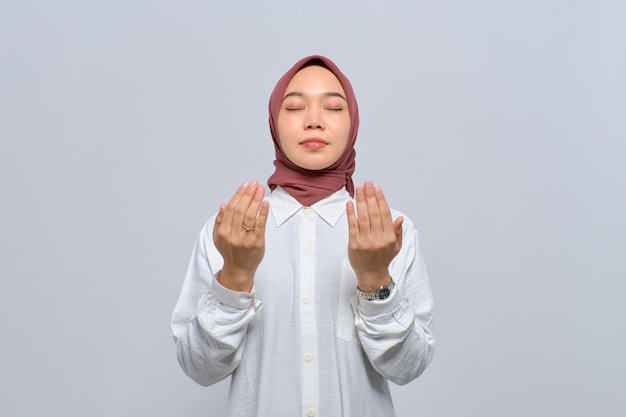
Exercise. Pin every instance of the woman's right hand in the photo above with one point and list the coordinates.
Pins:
(239, 236)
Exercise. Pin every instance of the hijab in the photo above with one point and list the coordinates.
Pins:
(309, 186)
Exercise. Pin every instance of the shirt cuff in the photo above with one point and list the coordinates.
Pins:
(236, 299)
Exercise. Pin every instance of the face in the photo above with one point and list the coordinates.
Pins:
(313, 121)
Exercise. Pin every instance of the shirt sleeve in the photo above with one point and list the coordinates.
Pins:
(209, 321)
(396, 333)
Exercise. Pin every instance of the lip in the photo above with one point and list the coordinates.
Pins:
(314, 143)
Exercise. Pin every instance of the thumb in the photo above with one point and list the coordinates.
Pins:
(220, 214)
(218, 219)
(397, 228)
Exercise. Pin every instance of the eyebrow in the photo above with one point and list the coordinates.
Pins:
(329, 94)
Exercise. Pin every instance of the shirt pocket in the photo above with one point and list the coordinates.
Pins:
(346, 329)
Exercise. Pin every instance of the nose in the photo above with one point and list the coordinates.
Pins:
(313, 120)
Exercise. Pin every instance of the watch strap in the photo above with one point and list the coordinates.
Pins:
(383, 292)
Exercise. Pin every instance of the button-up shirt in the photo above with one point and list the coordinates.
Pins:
(302, 343)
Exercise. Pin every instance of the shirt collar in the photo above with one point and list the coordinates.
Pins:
(283, 206)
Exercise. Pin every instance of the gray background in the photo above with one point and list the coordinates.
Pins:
(498, 127)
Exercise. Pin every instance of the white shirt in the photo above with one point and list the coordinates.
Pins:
(301, 343)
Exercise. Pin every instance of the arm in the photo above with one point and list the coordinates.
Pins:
(395, 333)
(217, 301)
(209, 321)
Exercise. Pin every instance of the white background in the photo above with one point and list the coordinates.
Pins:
(497, 126)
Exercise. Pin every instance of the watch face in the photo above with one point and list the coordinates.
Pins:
(383, 293)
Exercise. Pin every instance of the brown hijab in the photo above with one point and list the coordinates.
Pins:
(310, 186)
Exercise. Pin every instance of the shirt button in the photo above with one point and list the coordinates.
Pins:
(310, 412)
(308, 357)
(306, 300)
(307, 211)
(306, 252)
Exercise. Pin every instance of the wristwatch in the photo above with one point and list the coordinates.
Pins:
(383, 292)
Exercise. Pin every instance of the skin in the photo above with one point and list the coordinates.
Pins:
(374, 237)
(313, 120)
(241, 250)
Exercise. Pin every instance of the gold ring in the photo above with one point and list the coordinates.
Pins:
(247, 229)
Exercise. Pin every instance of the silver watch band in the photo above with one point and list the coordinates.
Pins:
(383, 292)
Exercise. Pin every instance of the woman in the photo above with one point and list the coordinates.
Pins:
(310, 307)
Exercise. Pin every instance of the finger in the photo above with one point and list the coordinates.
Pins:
(229, 209)
(397, 228)
(353, 223)
(220, 214)
(372, 207)
(361, 207)
(252, 211)
(218, 218)
(383, 207)
(261, 221)
(241, 209)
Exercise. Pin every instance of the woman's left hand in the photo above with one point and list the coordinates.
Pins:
(375, 238)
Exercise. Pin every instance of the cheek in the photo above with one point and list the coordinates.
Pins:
(285, 135)
(282, 129)
(286, 122)
(346, 131)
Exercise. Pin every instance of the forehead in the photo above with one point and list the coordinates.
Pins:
(316, 79)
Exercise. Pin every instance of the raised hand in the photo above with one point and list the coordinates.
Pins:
(239, 236)
(374, 238)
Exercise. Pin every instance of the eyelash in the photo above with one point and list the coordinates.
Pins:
(293, 110)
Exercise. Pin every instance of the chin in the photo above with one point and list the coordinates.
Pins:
(313, 167)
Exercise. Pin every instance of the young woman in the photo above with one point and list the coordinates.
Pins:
(313, 298)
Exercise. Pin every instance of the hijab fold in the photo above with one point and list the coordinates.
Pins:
(309, 186)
